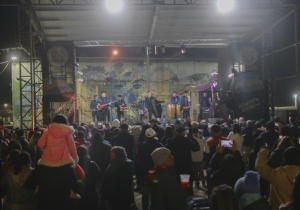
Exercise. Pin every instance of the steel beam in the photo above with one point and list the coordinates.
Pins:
(274, 19)
(297, 53)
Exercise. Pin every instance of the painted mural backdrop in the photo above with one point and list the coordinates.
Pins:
(129, 79)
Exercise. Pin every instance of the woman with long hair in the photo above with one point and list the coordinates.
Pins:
(236, 135)
(223, 198)
(168, 133)
(12, 185)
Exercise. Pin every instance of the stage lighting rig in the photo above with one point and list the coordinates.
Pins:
(182, 49)
(115, 52)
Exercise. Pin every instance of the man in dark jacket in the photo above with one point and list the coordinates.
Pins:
(100, 152)
(270, 135)
(166, 193)
(144, 163)
(181, 146)
(21, 139)
(150, 105)
(157, 128)
(117, 188)
(126, 140)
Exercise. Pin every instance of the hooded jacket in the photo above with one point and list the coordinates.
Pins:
(281, 179)
(58, 145)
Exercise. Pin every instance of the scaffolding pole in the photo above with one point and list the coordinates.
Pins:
(297, 63)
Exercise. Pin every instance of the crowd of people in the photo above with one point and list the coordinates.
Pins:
(240, 165)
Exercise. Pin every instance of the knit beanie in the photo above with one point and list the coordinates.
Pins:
(159, 155)
(247, 184)
(116, 123)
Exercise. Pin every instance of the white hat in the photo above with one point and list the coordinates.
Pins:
(150, 133)
(159, 155)
(116, 123)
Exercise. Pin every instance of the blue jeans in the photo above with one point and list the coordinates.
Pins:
(145, 197)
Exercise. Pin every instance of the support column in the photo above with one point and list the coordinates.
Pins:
(148, 68)
(31, 69)
(297, 57)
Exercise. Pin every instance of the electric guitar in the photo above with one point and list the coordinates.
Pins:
(101, 106)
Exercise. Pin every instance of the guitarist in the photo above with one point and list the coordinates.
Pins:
(103, 110)
(120, 104)
(185, 104)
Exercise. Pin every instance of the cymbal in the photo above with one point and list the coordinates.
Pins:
(135, 106)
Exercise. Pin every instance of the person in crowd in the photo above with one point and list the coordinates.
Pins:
(144, 163)
(142, 136)
(294, 203)
(285, 131)
(168, 134)
(248, 144)
(116, 132)
(212, 143)
(11, 159)
(270, 135)
(102, 132)
(21, 139)
(82, 129)
(150, 105)
(100, 152)
(159, 130)
(81, 140)
(3, 145)
(236, 135)
(165, 192)
(247, 188)
(258, 129)
(12, 185)
(226, 167)
(294, 135)
(258, 143)
(135, 131)
(90, 195)
(164, 120)
(275, 159)
(181, 147)
(280, 178)
(223, 198)
(117, 188)
(109, 132)
(126, 140)
(205, 132)
(36, 151)
(197, 158)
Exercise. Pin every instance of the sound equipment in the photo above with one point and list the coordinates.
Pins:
(213, 120)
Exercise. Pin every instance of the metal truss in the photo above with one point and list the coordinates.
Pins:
(166, 43)
(268, 70)
(297, 52)
(30, 71)
(158, 2)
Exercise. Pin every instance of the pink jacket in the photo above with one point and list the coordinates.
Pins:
(58, 145)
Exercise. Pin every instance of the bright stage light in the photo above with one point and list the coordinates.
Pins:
(114, 5)
(182, 49)
(231, 75)
(14, 58)
(115, 52)
(214, 84)
(225, 5)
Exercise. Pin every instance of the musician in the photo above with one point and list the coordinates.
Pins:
(93, 107)
(185, 104)
(204, 104)
(150, 105)
(120, 104)
(229, 103)
(175, 99)
(103, 112)
(142, 107)
(158, 108)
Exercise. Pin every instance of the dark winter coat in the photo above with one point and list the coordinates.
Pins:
(117, 188)
(126, 140)
(144, 160)
(100, 153)
(159, 130)
(90, 196)
(166, 193)
(275, 159)
(181, 148)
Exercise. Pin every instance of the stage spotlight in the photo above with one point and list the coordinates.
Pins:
(214, 84)
(14, 58)
(163, 49)
(225, 5)
(182, 49)
(213, 73)
(80, 72)
(114, 5)
(231, 75)
(115, 52)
